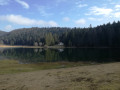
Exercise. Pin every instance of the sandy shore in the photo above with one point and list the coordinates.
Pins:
(94, 77)
(9, 46)
(18, 46)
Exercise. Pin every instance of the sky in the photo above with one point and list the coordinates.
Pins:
(16, 14)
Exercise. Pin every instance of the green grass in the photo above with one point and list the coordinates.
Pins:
(13, 66)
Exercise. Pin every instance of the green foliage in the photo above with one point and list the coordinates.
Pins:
(49, 39)
(101, 36)
(32, 36)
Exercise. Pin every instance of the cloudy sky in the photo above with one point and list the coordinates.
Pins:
(57, 13)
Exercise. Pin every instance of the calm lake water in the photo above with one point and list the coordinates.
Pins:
(35, 55)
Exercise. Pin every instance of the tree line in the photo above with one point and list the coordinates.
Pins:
(106, 35)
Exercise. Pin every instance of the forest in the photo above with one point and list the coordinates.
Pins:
(106, 35)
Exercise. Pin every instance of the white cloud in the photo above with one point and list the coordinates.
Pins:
(8, 28)
(20, 20)
(66, 19)
(100, 11)
(117, 15)
(82, 5)
(17, 19)
(106, 12)
(24, 4)
(4, 2)
(52, 23)
(95, 19)
(117, 7)
(80, 21)
(91, 18)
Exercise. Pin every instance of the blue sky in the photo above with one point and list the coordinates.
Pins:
(57, 13)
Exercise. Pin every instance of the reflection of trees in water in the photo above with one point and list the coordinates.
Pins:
(51, 55)
(29, 55)
(92, 54)
(1, 50)
(38, 50)
(1, 56)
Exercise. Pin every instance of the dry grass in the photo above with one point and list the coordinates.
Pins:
(93, 77)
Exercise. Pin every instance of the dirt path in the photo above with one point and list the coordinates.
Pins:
(95, 77)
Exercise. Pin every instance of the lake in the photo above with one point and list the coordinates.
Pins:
(35, 55)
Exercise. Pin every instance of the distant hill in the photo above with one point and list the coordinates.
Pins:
(106, 35)
(2, 33)
(33, 36)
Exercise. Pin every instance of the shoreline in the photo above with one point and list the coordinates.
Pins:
(19, 46)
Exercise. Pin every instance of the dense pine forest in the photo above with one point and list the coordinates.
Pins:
(2, 33)
(107, 35)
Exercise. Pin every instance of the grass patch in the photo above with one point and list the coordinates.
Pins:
(13, 66)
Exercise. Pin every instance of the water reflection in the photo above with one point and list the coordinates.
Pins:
(34, 55)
